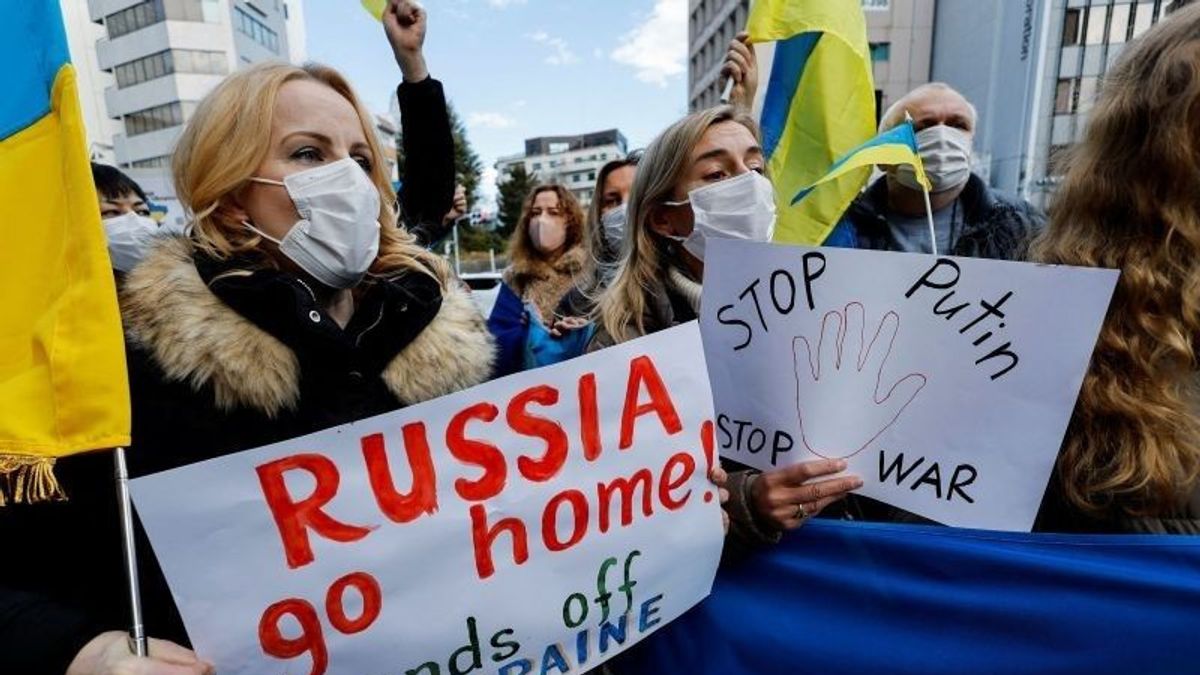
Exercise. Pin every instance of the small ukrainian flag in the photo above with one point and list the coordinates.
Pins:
(897, 145)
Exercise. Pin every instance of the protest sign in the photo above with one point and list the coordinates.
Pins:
(540, 523)
(945, 383)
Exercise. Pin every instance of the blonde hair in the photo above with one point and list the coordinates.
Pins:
(228, 138)
(1129, 201)
(520, 245)
(622, 309)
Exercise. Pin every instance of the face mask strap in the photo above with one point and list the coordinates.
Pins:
(267, 181)
(260, 233)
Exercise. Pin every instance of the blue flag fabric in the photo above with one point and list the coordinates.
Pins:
(838, 597)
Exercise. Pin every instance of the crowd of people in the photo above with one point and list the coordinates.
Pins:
(303, 294)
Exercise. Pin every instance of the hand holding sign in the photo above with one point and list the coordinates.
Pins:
(842, 368)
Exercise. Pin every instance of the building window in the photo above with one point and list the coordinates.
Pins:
(1085, 94)
(881, 51)
(591, 175)
(1064, 95)
(537, 166)
(1071, 27)
(152, 162)
(1097, 17)
(257, 30)
(157, 118)
(875, 5)
(1118, 27)
(1143, 17)
(150, 12)
(167, 62)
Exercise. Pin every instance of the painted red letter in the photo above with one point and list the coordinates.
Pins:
(477, 453)
(538, 470)
(579, 519)
(589, 417)
(483, 537)
(642, 370)
(422, 498)
(667, 484)
(293, 518)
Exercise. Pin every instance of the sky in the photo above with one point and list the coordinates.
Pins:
(516, 69)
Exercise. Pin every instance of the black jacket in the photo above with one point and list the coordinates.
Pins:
(221, 359)
(427, 175)
(994, 225)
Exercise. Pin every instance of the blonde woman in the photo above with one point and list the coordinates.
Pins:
(1131, 459)
(703, 178)
(295, 304)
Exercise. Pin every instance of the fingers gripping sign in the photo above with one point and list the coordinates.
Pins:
(843, 370)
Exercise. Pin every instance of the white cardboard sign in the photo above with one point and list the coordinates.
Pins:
(541, 523)
(946, 383)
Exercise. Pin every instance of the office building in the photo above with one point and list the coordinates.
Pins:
(570, 161)
(899, 32)
(1032, 70)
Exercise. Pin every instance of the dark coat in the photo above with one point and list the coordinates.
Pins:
(994, 225)
(221, 359)
(426, 193)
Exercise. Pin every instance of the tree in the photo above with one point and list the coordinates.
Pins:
(467, 168)
(514, 187)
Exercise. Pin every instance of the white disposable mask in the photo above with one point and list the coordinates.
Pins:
(337, 236)
(612, 225)
(129, 237)
(742, 207)
(946, 154)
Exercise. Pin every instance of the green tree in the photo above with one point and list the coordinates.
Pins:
(513, 188)
(468, 170)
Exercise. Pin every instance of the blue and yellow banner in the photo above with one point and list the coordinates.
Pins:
(897, 145)
(839, 597)
(818, 105)
(63, 386)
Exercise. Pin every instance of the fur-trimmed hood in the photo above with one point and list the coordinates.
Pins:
(196, 337)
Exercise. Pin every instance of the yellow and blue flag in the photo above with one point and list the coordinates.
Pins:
(819, 103)
(897, 145)
(63, 383)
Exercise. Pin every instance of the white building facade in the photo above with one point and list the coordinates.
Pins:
(570, 161)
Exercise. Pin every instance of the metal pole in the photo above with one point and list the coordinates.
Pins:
(138, 633)
(457, 262)
(929, 215)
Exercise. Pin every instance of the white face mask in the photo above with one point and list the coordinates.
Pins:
(547, 235)
(742, 207)
(612, 225)
(337, 236)
(129, 236)
(946, 154)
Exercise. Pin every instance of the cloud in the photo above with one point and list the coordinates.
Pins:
(560, 52)
(490, 120)
(501, 4)
(657, 49)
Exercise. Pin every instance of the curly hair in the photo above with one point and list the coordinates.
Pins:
(520, 246)
(1130, 200)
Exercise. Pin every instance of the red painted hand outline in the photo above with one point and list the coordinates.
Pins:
(844, 376)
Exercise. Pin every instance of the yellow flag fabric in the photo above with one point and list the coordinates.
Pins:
(375, 7)
(63, 383)
(818, 105)
(895, 146)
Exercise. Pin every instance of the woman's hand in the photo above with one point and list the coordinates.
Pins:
(786, 498)
(741, 65)
(720, 478)
(566, 324)
(109, 654)
(405, 22)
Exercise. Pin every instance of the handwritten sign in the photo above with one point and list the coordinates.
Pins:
(946, 383)
(541, 523)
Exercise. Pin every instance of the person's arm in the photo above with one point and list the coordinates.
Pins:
(427, 190)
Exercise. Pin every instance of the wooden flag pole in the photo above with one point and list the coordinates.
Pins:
(138, 633)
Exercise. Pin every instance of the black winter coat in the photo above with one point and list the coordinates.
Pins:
(994, 226)
(221, 359)
(427, 168)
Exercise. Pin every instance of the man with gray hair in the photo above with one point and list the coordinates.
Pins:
(969, 218)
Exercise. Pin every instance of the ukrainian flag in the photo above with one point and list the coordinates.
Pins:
(63, 386)
(818, 105)
(894, 146)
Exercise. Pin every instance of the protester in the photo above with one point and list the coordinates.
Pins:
(427, 176)
(605, 232)
(128, 227)
(546, 257)
(969, 218)
(288, 309)
(702, 178)
(1131, 458)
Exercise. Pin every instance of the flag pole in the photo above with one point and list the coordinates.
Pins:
(929, 215)
(138, 634)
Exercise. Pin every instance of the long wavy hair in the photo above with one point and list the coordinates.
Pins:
(1130, 200)
(520, 245)
(228, 138)
(622, 309)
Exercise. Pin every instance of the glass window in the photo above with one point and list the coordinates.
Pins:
(257, 30)
(1063, 96)
(1143, 17)
(1119, 24)
(881, 51)
(1071, 26)
(1096, 20)
(1086, 93)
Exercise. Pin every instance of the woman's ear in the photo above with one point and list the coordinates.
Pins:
(230, 208)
